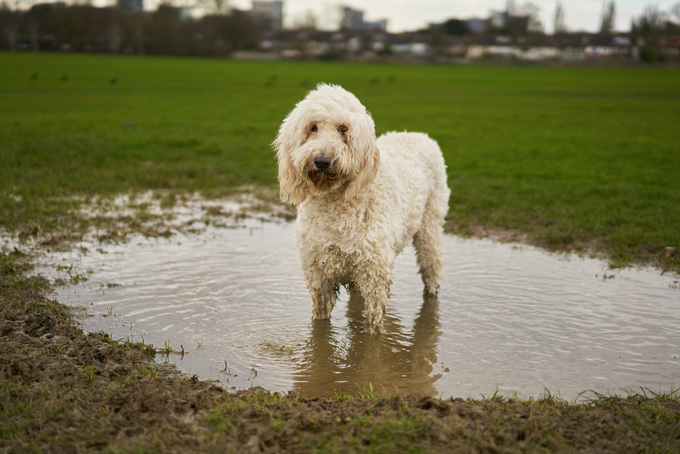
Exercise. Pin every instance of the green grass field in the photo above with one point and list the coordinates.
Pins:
(572, 156)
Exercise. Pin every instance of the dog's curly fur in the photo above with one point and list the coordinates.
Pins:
(360, 200)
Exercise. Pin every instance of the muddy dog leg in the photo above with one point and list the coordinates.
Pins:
(428, 244)
(323, 296)
(375, 290)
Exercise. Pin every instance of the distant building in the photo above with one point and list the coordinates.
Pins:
(353, 19)
(269, 14)
(130, 5)
(477, 26)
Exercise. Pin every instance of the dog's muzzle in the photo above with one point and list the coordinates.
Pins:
(322, 163)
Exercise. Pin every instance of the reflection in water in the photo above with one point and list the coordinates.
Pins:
(397, 360)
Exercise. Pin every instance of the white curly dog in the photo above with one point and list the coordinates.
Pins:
(360, 201)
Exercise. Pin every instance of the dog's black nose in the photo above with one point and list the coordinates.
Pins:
(322, 163)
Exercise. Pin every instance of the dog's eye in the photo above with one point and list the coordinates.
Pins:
(314, 128)
(342, 129)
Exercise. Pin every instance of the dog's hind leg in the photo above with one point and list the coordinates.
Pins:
(428, 244)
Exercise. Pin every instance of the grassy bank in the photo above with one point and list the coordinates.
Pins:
(64, 391)
(575, 158)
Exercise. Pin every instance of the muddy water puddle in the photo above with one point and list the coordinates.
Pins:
(512, 319)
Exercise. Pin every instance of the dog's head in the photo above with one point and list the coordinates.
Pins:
(326, 144)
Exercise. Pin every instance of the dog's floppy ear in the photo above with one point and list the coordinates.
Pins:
(292, 188)
(364, 149)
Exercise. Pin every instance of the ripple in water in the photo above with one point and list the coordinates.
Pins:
(508, 318)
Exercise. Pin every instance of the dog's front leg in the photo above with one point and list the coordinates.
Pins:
(375, 288)
(324, 295)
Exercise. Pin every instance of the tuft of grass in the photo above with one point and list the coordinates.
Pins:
(167, 350)
(366, 392)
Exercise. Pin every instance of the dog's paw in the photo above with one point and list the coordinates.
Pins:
(431, 290)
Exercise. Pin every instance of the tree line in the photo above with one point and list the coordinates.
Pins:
(170, 30)
(86, 28)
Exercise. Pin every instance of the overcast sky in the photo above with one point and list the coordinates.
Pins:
(404, 15)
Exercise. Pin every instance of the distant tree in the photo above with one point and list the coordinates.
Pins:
(133, 25)
(558, 25)
(7, 19)
(510, 8)
(531, 12)
(214, 6)
(112, 32)
(520, 20)
(17, 5)
(608, 18)
(455, 27)
(647, 29)
(11, 14)
(79, 28)
(38, 20)
(673, 22)
(675, 11)
(242, 31)
(331, 16)
(307, 21)
(437, 41)
(162, 31)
